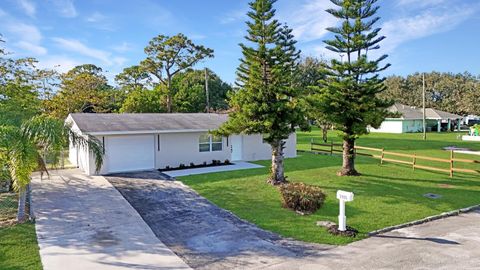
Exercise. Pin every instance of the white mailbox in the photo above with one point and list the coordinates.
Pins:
(343, 196)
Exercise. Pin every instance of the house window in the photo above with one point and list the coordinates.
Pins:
(208, 143)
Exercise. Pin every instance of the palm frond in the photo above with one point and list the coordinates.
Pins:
(89, 142)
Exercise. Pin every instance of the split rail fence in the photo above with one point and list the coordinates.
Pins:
(408, 159)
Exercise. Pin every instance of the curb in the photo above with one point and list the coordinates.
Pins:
(425, 220)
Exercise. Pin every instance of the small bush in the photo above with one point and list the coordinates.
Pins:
(192, 164)
(227, 162)
(302, 197)
(167, 167)
(182, 166)
(204, 163)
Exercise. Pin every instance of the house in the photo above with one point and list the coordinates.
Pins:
(410, 119)
(134, 142)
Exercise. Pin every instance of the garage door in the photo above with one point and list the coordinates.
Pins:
(130, 153)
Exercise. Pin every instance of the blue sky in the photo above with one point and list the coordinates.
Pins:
(422, 35)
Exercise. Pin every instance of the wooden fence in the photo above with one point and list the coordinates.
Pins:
(331, 148)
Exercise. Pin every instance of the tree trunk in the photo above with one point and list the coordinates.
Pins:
(348, 166)
(22, 197)
(325, 133)
(169, 95)
(29, 200)
(277, 176)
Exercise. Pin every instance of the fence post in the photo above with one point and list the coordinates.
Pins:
(414, 161)
(383, 155)
(331, 148)
(451, 163)
(311, 145)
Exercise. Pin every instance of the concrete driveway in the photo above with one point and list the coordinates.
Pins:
(85, 223)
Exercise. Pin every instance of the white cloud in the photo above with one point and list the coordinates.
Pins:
(28, 7)
(31, 47)
(59, 63)
(233, 16)
(96, 17)
(119, 61)
(423, 3)
(66, 8)
(100, 21)
(76, 46)
(124, 47)
(427, 22)
(309, 21)
(24, 31)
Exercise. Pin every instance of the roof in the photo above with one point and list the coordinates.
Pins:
(437, 114)
(407, 112)
(413, 113)
(113, 123)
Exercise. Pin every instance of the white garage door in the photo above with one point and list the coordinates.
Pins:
(130, 153)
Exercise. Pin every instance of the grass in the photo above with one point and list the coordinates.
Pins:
(18, 243)
(384, 195)
(19, 248)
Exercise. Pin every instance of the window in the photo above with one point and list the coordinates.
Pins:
(216, 143)
(208, 143)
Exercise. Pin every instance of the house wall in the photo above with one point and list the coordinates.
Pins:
(178, 148)
(389, 126)
(183, 148)
(410, 126)
(255, 149)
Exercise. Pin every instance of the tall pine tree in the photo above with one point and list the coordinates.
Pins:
(267, 101)
(348, 95)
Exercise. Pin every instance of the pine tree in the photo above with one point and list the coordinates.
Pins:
(348, 94)
(267, 101)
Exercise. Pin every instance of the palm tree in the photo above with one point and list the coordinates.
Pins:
(23, 148)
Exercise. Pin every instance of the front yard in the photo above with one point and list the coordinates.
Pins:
(18, 243)
(385, 195)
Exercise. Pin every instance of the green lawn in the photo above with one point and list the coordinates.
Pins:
(384, 195)
(18, 243)
(19, 248)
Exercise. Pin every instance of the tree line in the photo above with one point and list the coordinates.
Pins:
(455, 93)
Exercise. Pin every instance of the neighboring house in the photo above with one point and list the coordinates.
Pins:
(411, 120)
(134, 142)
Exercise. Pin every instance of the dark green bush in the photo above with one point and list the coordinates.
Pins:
(302, 197)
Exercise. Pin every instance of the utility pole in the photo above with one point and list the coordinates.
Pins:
(424, 112)
(206, 91)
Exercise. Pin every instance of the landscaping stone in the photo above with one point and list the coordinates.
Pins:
(326, 223)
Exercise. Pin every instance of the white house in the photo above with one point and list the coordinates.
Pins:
(410, 119)
(134, 142)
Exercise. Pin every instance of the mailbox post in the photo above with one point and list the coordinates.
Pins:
(343, 196)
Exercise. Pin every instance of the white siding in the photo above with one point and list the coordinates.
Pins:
(255, 149)
(389, 126)
(183, 148)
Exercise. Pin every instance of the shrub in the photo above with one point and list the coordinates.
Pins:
(227, 162)
(204, 163)
(192, 164)
(182, 166)
(302, 197)
(167, 167)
